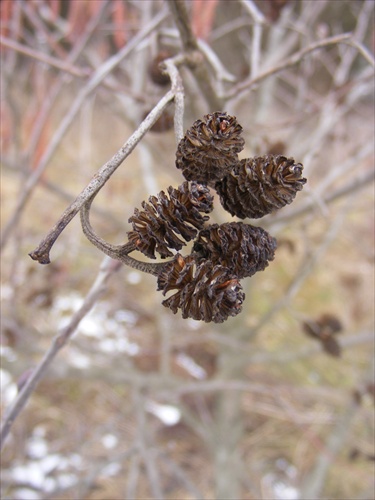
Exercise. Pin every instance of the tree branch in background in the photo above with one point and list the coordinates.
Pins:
(314, 482)
(91, 85)
(295, 59)
(197, 60)
(40, 56)
(106, 270)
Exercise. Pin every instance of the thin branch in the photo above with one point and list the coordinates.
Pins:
(87, 195)
(106, 270)
(289, 62)
(40, 56)
(259, 20)
(364, 51)
(171, 67)
(118, 252)
(41, 253)
(191, 47)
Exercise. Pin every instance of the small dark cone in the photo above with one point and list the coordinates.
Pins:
(331, 347)
(164, 123)
(242, 248)
(326, 326)
(155, 228)
(325, 329)
(205, 292)
(258, 186)
(156, 73)
(209, 148)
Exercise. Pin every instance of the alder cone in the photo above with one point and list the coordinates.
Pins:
(156, 73)
(169, 222)
(208, 151)
(204, 292)
(325, 329)
(242, 248)
(258, 186)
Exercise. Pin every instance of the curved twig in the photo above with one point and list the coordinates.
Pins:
(42, 252)
(176, 94)
(117, 252)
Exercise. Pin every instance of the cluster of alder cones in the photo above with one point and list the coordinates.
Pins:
(206, 283)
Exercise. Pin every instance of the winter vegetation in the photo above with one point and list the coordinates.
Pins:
(105, 392)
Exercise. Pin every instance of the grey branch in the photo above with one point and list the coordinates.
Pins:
(191, 47)
(296, 58)
(41, 253)
(107, 268)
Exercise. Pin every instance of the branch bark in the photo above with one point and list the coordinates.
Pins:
(176, 94)
(190, 45)
(42, 252)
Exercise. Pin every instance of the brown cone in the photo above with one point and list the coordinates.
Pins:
(242, 248)
(155, 228)
(258, 186)
(204, 291)
(209, 148)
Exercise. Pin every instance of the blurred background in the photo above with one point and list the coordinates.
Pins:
(276, 403)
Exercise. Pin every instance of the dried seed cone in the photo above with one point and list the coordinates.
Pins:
(242, 248)
(209, 148)
(155, 228)
(155, 71)
(205, 291)
(258, 186)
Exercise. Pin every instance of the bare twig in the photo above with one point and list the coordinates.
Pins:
(177, 94)
(289, 62)
(259, 20)
(171, 68)
(41, 253)
(191, 47)
(106, 270)
(40, 56)
(118, 252)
